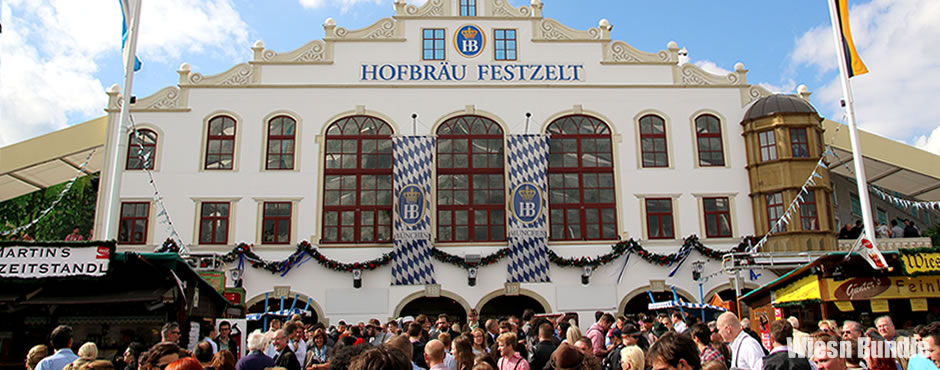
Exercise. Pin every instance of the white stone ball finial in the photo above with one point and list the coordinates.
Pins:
(802, 89)
(114, 89)
(536, 2)
(739, 67)
(672, 45)
(329, 22)
(603, 23)
(185, 67)
(259, 44)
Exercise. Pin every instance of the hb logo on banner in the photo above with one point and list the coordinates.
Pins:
(411, 204)
(469, 40)
(526, 203)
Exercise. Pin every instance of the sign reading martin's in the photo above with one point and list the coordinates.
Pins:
(40, 261)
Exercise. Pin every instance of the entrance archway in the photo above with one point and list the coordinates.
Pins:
(638, 300)
(313, 312)
(434, 306)
(497, 305)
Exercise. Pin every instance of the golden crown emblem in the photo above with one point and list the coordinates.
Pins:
(469, 33)
(527, 193)
(411, 195)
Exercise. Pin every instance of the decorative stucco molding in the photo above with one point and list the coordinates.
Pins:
(170, 98)
(551, 30)
(386, 29)
(752, 93)
(313, 52)
(431, 8)
(502, 8)
(619, 52)
(240, 75)
(691, 74)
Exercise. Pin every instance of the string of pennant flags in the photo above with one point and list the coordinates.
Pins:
(79, 173)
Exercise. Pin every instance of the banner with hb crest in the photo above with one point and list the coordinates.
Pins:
(528, 239)
(411, 264)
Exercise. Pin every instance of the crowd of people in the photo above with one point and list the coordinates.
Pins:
(662, 342)
(904, 229)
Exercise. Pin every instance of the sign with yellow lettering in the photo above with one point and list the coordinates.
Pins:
(866, 288)
(879, 305)
(924, 263)
(804, 289)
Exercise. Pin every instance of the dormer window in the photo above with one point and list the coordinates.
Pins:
(468, 8)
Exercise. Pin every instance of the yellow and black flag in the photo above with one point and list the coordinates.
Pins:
(853, 63)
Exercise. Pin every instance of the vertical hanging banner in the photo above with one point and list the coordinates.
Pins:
(411, 264)
(528, 238)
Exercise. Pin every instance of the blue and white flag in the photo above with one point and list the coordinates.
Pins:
(413, 156)
(528, 238)
(129, 9)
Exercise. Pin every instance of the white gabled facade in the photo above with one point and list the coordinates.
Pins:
(379, 71)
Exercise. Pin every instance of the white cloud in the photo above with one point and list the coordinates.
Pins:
(788, 87)
(895, 39)
(49, 53)
(712, 68)
(343, 5)
(931, 143)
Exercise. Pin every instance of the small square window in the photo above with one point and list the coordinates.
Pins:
(275, 223)
(433, 44)
(468, 8)
(505, 41)
(659, 218)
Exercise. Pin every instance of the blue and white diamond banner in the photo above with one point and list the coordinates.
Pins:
(413, 156)
(528, 238)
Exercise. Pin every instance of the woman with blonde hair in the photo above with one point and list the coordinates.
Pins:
(479, 341)
(87, 353)
(631, 358)
(36, 354)
(573, 334)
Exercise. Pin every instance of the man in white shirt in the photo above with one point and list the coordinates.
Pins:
(678, 323)
(746, 352)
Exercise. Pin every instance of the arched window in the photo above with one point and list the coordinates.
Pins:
(708, 138)
(357, 194)
(653, 141)
(470, 186)
(581, 180)
(280, 155)
(220, 144)
(141, 150)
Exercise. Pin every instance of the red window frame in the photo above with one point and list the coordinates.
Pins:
(357, 194)
(774, 207)
(713, 217)
(799, 143)
(709, 141)
(649, 138)
(767, 142)
(216, 140)
(214, 216)
(138, 150)
(134, 216)
(275, 216)
(470, 180)
(662, 217)
(809, 216)
(581, 182)
(281, 140)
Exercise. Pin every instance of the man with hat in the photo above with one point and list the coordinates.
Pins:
(566, 357)
(612, 360)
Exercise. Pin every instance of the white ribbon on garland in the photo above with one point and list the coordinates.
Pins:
(80, 172)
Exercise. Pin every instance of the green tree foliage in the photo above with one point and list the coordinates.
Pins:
(77, 209)
(934, 234)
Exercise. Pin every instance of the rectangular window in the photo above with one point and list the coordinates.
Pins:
(505, 41)
(468, 8)
(808, 215)
(882, 215)
(659, 218)
(856, 205)
(775, 211)
(717, 217)
(433, 44)
(799, 143)
(275, 223)
(133, 227)
(213, 223)
(768, 146)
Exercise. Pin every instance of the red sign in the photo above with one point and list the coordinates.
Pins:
(862, 288)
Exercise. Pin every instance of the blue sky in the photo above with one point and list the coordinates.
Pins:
(59, 56)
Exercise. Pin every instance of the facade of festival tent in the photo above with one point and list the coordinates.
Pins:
(469, 155)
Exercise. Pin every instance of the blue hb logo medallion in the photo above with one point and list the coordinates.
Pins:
(411, 204)
(527, 203)
(469, 40)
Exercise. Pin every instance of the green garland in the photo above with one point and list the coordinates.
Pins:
(617, 250)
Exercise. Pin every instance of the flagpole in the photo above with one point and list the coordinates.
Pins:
(118, 138)
(861, 179)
